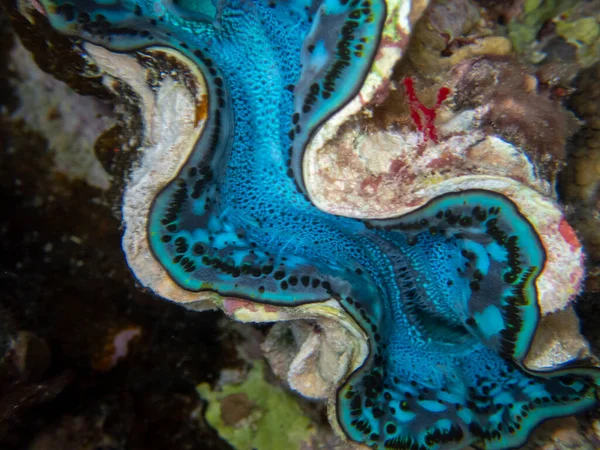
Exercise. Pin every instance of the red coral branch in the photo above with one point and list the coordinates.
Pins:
(422, 116)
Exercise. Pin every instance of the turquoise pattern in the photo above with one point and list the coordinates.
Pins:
(446, 293)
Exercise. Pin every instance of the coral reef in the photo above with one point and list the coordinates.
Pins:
(441, 270)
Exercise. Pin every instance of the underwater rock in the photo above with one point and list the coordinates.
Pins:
(564, 434)
(24, 383)
(32, 357)
(84, 432)
(449, 33)
(448, 288)
(580, 181)
(516, 110)
(70, 122)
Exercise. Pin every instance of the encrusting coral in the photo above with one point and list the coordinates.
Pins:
(437, 299)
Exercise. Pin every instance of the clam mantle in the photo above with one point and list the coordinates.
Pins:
(432, 312)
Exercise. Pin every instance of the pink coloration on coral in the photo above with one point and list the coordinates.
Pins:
(444, 161)
(370, 184)
(422, 116)
(400, 171)
(231, 305)
(397, 165)
(576, 280)
(568, 233)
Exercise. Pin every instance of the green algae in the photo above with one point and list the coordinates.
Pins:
(523, 30)
(583, 33)
(258, 415)
(584, 30)
(576, 22)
